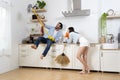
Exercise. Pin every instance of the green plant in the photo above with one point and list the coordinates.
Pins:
(41, 4)
(103, 24)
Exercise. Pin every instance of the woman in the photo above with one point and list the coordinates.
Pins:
(74, 37)
(82, 54)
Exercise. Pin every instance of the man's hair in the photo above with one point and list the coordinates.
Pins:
(61, 25)
(71, 29)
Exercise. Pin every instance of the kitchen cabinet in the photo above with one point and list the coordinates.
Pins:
(55, 51)
(98, 60)
(93, 58)
(26, 57)
(69, 53)
(110, 60)
(76, 63)
(30, 57)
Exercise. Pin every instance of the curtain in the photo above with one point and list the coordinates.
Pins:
(5, 35)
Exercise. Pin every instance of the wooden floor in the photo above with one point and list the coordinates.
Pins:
(53, 74)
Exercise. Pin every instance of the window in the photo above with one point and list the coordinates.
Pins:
(2, 25)
(5, 40)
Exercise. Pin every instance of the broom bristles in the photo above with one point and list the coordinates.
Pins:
(62, 59)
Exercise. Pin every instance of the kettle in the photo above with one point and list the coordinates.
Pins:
(110, 38)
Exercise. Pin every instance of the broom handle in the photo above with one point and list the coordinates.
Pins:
(38, 17)
(64, 47)
(40, 21)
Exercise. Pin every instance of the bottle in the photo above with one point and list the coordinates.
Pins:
(102, 39)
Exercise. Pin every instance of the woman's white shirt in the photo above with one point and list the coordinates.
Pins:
(76, 37)
(73, 37)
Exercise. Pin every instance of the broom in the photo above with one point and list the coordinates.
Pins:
(62, 58)
(42, 25)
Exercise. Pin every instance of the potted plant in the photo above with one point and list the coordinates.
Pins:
(41, 4)
(103, 27)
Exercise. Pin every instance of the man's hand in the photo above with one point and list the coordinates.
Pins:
(51, 38)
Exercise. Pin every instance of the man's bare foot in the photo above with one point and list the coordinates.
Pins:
(41, 56)
(34, 47)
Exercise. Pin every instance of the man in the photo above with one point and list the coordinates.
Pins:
(54, 32)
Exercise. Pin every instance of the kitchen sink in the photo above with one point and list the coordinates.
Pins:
(110, 46)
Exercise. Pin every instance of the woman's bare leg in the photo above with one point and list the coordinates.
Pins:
(85, 60)
(80, 57)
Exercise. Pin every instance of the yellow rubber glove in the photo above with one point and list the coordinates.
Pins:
(51, 38)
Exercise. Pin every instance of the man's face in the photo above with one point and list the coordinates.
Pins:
(58, 26)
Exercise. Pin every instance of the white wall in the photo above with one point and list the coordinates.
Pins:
(10, 62)
(113, 25)
(87, 25)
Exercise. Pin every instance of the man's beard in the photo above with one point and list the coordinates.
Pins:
(56, 27)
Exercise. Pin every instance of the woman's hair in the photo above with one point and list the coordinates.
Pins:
(71, 29)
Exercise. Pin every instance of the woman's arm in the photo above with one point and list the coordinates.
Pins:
(70, 39)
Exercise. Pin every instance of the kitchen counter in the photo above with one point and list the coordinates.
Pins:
(110, 49)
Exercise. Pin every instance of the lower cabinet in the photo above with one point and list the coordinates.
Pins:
(98, 60)
(26, 57)
(110, 60)
(31, 57)
(93, 58)
(67, 50)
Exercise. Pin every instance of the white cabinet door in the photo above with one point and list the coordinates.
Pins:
(76, 63)
(110, 60)
(69, 53)
(36, 54)
(93, 58)
(58, 49)
(26, 56)
(31, 57)
(48, 59)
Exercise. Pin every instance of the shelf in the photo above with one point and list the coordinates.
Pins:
(36, 20)
(113, 17)
(40, 10)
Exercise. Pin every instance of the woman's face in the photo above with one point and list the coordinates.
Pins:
(68, 30)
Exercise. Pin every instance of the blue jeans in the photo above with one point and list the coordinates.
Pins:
(44, 40)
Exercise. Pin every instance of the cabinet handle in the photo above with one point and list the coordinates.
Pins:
(23, 50)
(101, 54)
(93, 45)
